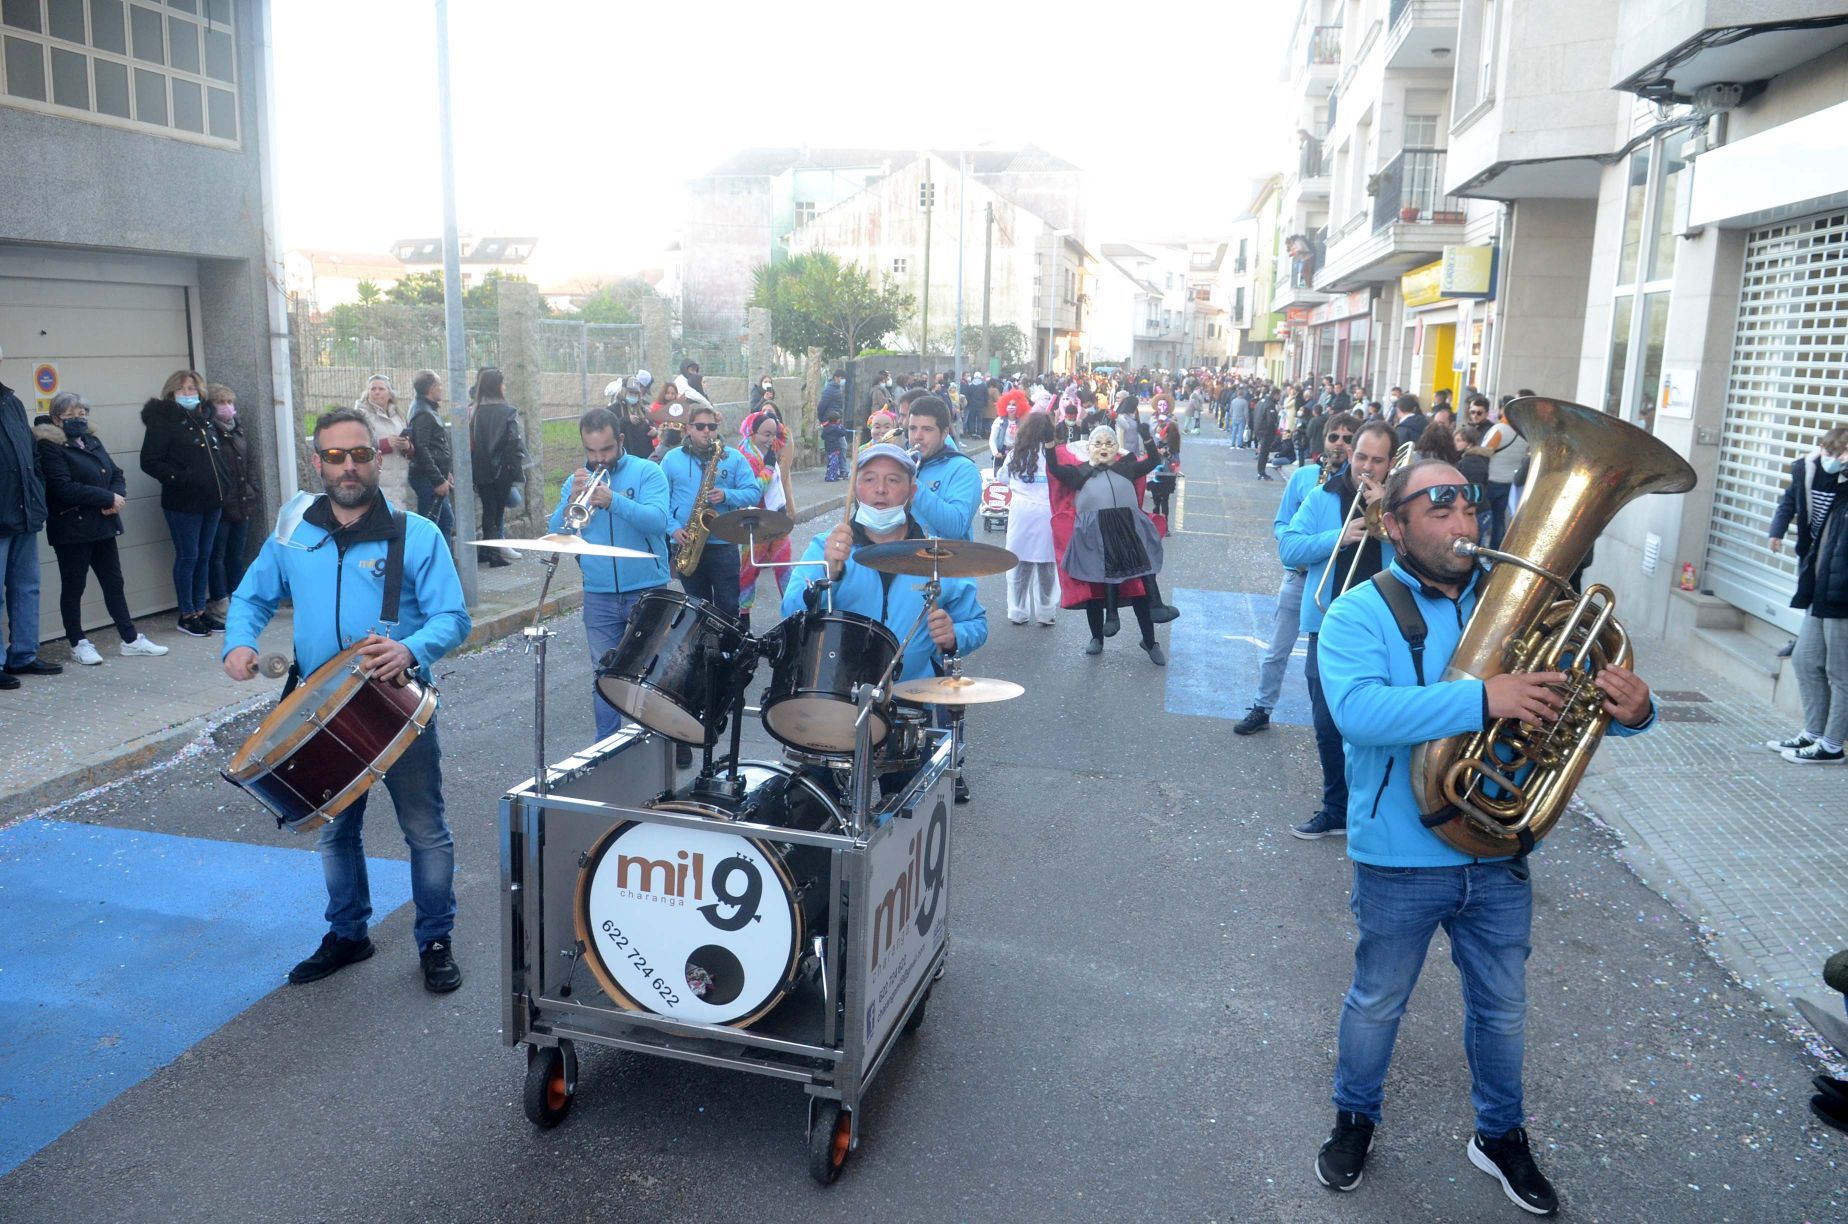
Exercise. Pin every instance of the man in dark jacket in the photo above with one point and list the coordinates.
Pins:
(1410, 423)
(22, 513)
(1813, 502)
(1264, 425)
(432, 462)
(834, 396)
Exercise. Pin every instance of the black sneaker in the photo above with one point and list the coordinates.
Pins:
(1343, 1157)
(1802, 739)
(211, 623)
(962, 791)
(330, 958)
(191, 626)
(8, 682)
(1813, 754)
(1509, 1162)
(1318, 826)
(441, 973)
(1255, 720)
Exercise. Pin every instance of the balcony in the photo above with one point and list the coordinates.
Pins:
(1667, 53)
(1295, 285)
(1410, 222)
(1421, 33)
(1323, 55)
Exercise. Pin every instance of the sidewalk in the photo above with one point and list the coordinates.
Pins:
(93, 725)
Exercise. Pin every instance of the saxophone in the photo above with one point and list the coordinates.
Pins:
(699, 520)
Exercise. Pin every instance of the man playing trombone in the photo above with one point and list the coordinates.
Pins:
(1329, 535)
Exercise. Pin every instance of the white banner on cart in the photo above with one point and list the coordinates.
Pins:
(910, 873)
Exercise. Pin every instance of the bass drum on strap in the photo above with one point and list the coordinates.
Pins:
(704, 925)
(817, 660)
(661, 673)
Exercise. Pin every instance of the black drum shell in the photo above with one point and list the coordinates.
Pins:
(674, 668)
(818, 658)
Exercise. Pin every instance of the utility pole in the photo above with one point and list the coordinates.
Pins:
(929, 192)
(988, 256)
(455, 382)
(962, 214)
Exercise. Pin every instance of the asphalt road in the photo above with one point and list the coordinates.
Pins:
(1138, 1021)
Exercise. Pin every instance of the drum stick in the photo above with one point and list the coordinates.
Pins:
(853, 437)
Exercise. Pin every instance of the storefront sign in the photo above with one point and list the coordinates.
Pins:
(1422, 286)
(1296, 314)
(1677, 392)
(1467, 272)
(1347, 306)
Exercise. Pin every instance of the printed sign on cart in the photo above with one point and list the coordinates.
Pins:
(910, 897)
(692, 924)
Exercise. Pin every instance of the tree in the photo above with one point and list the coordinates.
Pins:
(615, 302)
(1006, 343)
(417, 289)
(817, 301)
(368, 293)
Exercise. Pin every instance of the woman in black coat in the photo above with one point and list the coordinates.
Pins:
(84, 495)
(243, 500)
(498, 452)
(181, 450)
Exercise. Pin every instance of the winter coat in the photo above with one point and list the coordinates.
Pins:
(243, 496)
(81, 481)
(497, 446)
(183, 452)
(1795, 507)
(433, 462)
(832, 397)
(1411, 428)
(1827, 571)
(22, 485)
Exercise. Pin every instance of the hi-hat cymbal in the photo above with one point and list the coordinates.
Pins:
(576, 546)
(740, 525)
(956, 690)
(947, 558)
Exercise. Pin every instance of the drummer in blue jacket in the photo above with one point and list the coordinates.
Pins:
(1408, 881)
(328, 557)
(884, 484)
(629, 511)
(949, 485)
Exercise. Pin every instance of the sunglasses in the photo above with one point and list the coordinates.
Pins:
(1339, 437)
(1443, 495)
(338, 455)
(703, 426)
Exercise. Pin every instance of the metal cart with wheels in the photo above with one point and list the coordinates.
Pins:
(869, 914)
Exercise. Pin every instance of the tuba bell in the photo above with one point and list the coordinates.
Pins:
(1509, 783)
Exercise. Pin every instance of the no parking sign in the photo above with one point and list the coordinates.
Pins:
(45, 380)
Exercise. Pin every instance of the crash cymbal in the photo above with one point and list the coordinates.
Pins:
(739, 526)
(956, 690)
(576, 546)
(946, 558)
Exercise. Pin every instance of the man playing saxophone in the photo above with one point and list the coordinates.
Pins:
(715, 578)
(1382, 675)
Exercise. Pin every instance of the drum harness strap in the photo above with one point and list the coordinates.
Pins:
(388, 605)
(1413, 629)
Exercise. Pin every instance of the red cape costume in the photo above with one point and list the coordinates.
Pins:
(1073, 592)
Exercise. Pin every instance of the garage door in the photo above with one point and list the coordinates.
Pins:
(1788, 386)
(114, 344)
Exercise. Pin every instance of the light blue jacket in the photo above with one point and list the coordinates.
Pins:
(1309, 541)
(1374, 696)
(635, 518)
(949, 487)
(1299, 486)
(684, 472)
(337, 596)
(861, 590)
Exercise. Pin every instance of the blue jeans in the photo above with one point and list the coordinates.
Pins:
(1498, 512)
(606, 616)
(416, 786)
(716, 579)
(439, 510)
(1284, 631)
(19, 596)
(192, 556)
(1327, 743)
(1487, 910)
(227, 568)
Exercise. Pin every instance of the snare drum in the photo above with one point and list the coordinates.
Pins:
(673, 671)
(705, 925)
(328, 741)
(909, 742)
(819, 658)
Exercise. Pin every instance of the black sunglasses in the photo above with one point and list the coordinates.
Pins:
(1443, 495)
(338, 455)
(1339, 437)
(703, 426)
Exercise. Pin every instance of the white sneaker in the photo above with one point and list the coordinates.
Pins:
(143, 645)
(85, 653)
(512, 554)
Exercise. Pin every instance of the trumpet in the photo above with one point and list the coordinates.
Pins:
(1375, 530)
(578, 513)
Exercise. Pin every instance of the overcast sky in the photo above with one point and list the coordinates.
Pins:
(578, 121)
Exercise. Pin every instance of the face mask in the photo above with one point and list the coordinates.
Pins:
(77, 427)
(873, 519)
(1832, 465)
(186, 401)
(631, 399)
(766, 386)
(226, 412)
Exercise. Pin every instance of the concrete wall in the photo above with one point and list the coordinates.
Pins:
(729, 232)
(1545, 274)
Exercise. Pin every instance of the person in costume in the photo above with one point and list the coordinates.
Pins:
(1110, 545)
(762, 448)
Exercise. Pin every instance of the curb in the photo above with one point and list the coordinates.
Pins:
(510, 622)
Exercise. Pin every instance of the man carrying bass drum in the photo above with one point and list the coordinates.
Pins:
(331, 562)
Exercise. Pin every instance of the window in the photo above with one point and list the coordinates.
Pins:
(1475, 72)
(805, 212)
(901, 266)
(1238, 302)
(1645, 276)
(1421, 132)
(171, 67)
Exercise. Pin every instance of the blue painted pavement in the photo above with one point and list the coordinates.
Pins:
(124, 948)
(1215, 648)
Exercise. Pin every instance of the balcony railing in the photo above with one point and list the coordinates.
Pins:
(1325, 45)
(1411, 189)
(1312, 159)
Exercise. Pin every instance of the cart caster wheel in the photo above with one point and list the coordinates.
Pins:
(828, 1141)
(551, 1084)
(915, 1020)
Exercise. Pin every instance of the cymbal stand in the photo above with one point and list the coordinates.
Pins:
(537, 636)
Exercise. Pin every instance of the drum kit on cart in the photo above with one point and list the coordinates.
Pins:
(786, 917)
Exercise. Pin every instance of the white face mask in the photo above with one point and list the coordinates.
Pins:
(874, 519)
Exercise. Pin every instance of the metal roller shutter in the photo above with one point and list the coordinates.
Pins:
(1788, 384)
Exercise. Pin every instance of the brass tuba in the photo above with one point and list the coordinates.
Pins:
(1510, 782)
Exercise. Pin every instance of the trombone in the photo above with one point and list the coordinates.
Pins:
(1375, 529)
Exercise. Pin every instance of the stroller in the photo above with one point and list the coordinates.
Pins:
(996, 497)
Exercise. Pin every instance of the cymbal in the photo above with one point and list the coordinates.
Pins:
(956, 690)
(576, 546)
(738, 526)
(946, 558)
